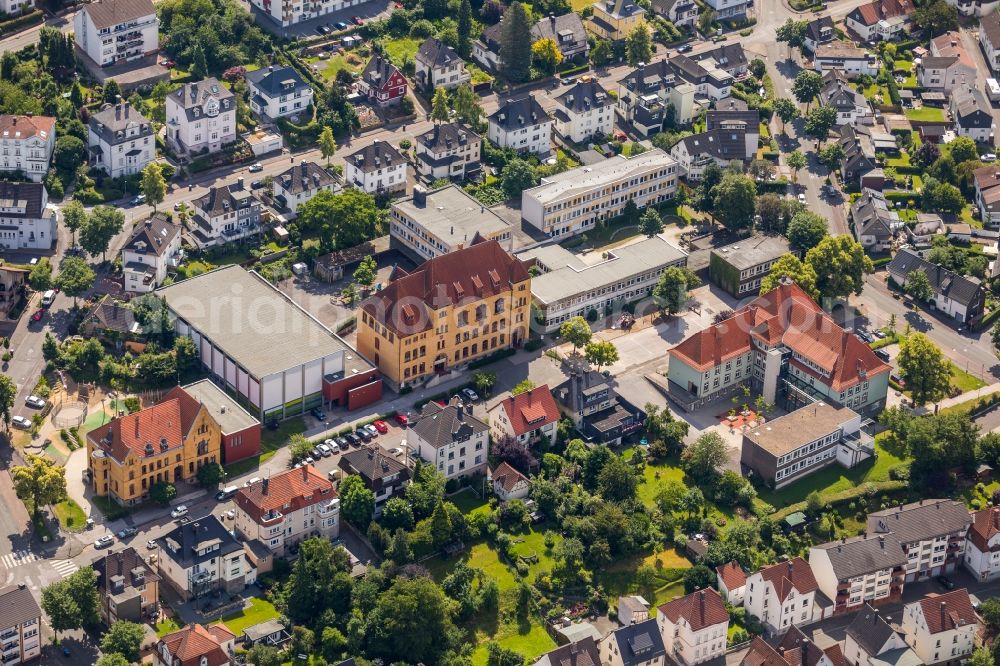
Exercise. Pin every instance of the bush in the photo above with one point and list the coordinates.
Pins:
(534, 344)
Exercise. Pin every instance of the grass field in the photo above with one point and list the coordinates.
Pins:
(258, 611)
(402, 50)
(926, 113)
(70, 515)
(329, 67)
(168, 625)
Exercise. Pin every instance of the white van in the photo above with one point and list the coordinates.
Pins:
(247, 484)
(47, 298)
(993, 90)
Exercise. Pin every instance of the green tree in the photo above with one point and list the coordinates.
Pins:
(327, 144)
(663, 428)
(515, 44)
(600, 353)
(517, 176)
(790, 266)
(124, 638)
(439, 105)
(468, 105)
(299, 447)
(786, 111)
(806, 230)
(734, 199)
(963, 149)
(650, 223)
(40, 275)
(546, 55)
(75, 278)
(937, 17)
(830, 156)
(41, 482)
(484, 381)
(112, 91)
(162, 493)
(576, 331)
(926, 371)
(840, 264)
(698, 577)
(264, 655)
(113, 659)
(601, 54)
(103, 224)
(806, 86)
(464, 46)
(441, 534)
(408, 622)
(814, 504)
(332, 641)
(74, 217)
(638, 45)
(919, 286)
(397, 514)
(526, 385)
(357, 502)
(981, 656)
(68, 153)
(60, 607)
(795, 161)
(366, 272)
(705, 456)
(340, 220)
(154, 186)
(210, 475)
(819, 121)
(617, 481)
(199, 62)
(673, 289)
(8, 392)
(995, 337)
(792, 32)
(761, 170)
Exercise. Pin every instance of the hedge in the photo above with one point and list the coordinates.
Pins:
(534, 344)
(21, 22)
(881, 261)
(988, 320)
(492, 358)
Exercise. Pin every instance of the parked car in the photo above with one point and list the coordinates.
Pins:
(402, 420)
(684, 48)
(256, 184)
(864, 335)
(342, 443)
(357, 20)
(381, 426)
(316, 453)
(21, 422)
(323, 30)
(882, 354)
(257, 166)
(340, 25)
(138, 199)
(38, 315)
(802, 197)
(127, 533)
(396, 451)
(327, 448)
(34, 401)
(104, 541)
(989, 157)
(353, 439)
(469, 394)
(309, 460)
(945, 582)
(364, 434)
(179, 510)
(372, 430)
(318, 413)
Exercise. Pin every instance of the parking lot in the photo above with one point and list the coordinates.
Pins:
(394, 438)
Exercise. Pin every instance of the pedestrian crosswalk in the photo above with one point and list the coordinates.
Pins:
(64, 568)
(17, 558)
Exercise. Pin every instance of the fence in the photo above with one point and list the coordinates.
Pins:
(70, 414)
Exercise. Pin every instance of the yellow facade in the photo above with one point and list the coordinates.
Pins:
(610, 24)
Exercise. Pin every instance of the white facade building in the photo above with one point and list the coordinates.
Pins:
(870, 636)
(278, 92)
(225, 214)
(931, 532)
(120, 140)
(450, 438)
(287, 14)
(114, 31)
(585, 112)
(152, 249)
(437, 65)
(20, 623)
(732, 582)
(850, 59)
(200, 557)
(783, 595)
(525, 418)
(449, 150)
(982, 546)
(26, 220)
(377, 168)
(201, 117)
(301, 183)
(523, 125)
(694, 628)
(859, 570)
(26, 144)
(941, 627)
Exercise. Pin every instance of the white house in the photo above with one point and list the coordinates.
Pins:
(852, 60)
(26, 144)
(972, 113)
(931, 531)
(957, 296)
(851, 105)
(451, 438)
(377, 168)
(282, 510)
(225, 214)
(26, 220)
(201, 117)
(679, 12)
(20, 624)
(728, 9)
(783, 595)
(880, 20)
(526, 418)
(941, 627)
(869, 635)
(988, 194)
(278, 92)
(15, 7)
(114, 31)
(585, 112)
(300, 183)
(449, 150)
(859, 570)
(875, 223)
(508, 483)
(694, 628)
(637, 644)
(982, 545)
(286, 14)
(732, 582)
(989, 39)
(437, 65)
(200, 557)
(153, 247)
(521, 124)
(120, 140)
(981, 8)
(567, 31)
(949, 65)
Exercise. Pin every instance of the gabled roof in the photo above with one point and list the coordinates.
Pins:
(378, 71)
(372, 464)
(515, 114)
(29, 197)
(859, 151)
(17, 606)
(870, 630)
(115, 118)
(566, 30)
(700, 609)
(434, 53)
(918, 521)
(583, 652)
(837, 92)
(195, 641)
(374, 156)
(507, 476)
(798, 650)
(793, 574)
(121, 563)
(276, 81)
(440, 426)
(447, 136)
(987, 177)
(111, 314)
(225, 199)
(985, 526)
(944, 612)
(814, 29)
(195, 95)
(153, 236)
(723, 144)
(732, 574)
(729, 57)
(639, 643)
(957, 287)
(873, 216)
(109, 13)
(151, 431)
(950, 44)
(863, 555)
(873, 12)
(762, 654)
(989, 26)
(285, 493)
(19, 128)
(183, 542)
(303, 177)
(972, 110)
(584, 96)
(530, 410)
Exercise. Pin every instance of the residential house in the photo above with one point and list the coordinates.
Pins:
(972, 114)
(508, 483)
(651, 90)
(982, 545)
(574, 201)
(15, 7)
(785, 594)
(282, 510)
(787, 348)
(567, 32)
(584, 652)
(732, 582)
(694, 627)
(852, 60)
(486, 49)
(819, 31)
(377, 168)
(26, 144)
(615, 19)
(449, 150)
(197, 645)
(880, 20)
(730, 9)
(988, 194)
(858, 161)
(860, 570)
(921, 234)
(12, 287)
(129, 587)
(382, 82)
(438, 66)
(632, 609)
(949, 65)
(120, 140)
(381, 473)
(525, 418)
(448, 312)
(875, 223)
(201, 557)
(941, 628)
(989, 38)
(431, 223)
(931, 533)
(278, 92)
(201, 117)
(111, 321)
(152, 249)
(600, 415)
(635, 645)
(286, 14)
(300, 183)
(27, 222)
(739, 267)
(960, 297)
(721, 147)
(20, 623)
(451, 438)
(871, 640)
(585, 112)
(981, 8)
(795, 649)
(805, 441)
(682, 13)
(523, 125)
(111, 32)
(851, 105)
(734, 114)
(269, 632)
(225, 214)
(728, 57)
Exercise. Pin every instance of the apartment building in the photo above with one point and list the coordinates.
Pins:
(679, 12)
(110, 32)
(451, 438)
(941, 628)
(785, 594)
(960, 297)
(569, 285)
(600, 415)
(26, 144)
(730, 9)
(870, 636)
(846, 57)
(201, 117)
(197, 645)
(567, 31)
(585, 112)
(13, 283)
(574, 201)
(615, 19)
(881, 20)
(278, 92)
(523, 125)
(449, 150)
(300, 183)
(27, 222)
(982, 546)
(637, 644)
(931, 532)
(282, 510)
(225, 214)
(438, 66)
(20, 623)
(384, 475)
(120, 139)
(129, 587)
(201, 557)
(451, 310)
(377, 168)
(153, 248)
(694, 627)
(290, 12)
(861, 570)
(525, 418)
(739, 267)
(432, 223)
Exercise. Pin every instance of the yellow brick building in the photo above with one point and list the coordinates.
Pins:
(169, 442)
(451, 310)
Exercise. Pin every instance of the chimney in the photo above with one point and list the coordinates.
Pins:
(239, 183)
(305, 472)
(996, 517)
(460, 413)
(137, 427)
(264, 484)
(805, 652)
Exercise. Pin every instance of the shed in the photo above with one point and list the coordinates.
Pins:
(795, 521)
(984, 473)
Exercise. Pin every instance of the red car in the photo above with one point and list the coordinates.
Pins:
(356, 20)
(402, 420)
(38, 315)
(381, 426)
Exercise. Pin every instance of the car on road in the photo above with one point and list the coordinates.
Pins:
(364, 434)
(21, 422)
(38, 315)
(396, 451)
(372, 430)
(257, 166)
(318, 413)
(357, 20)
(34, 401)
(340, 25)
(469, 394)
(150, 545)
(989, 157)
(127, 533)
(945, 582)
(226, 493)
(684, 48)
(381, 426)
(402, 420)
(256, 185)
(104, 541)
(323, 30)
(138, 199)
(179, 510)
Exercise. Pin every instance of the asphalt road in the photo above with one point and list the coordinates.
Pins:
(19, 40)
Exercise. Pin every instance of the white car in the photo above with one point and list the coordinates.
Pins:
(34, 401)
(179, 510)
(802, 197)
(989, 157)
(396, 451)
(21, 422)
(104, 541)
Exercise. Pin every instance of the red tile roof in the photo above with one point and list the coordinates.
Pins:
(950, 44)
(195, 641)
(165, 422)
(985, 526)
(869, 13)
(794, 642)
(795, 573)
(873, 12)
(531, 410)
(785, 315)
(762, 654)
(480, 271)
(285, 493)
(944, 612)
(732, 574)
(507, 476)
(24, 127)
(700, 609)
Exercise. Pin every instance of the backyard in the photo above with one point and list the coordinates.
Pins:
(930, 114)
(259, 610)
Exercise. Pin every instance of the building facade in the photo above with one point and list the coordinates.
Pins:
(585, 112)
(637, 644)
(225, 214)
(300, 183)
(739, 267)
(850, 59)
(523, 125)
(377, 168)
(201, 117)
(783, 595)
(732, 582)
(384, 475)
(110, 32)
(128, 586)
(26, 144)
(20, 624)
(982, 546)
(120, 140)
(449, 150)
(436, 65)
(525, 418)
(26, 220)
(931, 533)
(278, 92)
(941, 628)
(451, 438)
(615, 19)
(201, 557)
(870, 636)
(196, 645)
(694, 627)
(600, 415)
(152, 249)
(382, 82)
(959, 297)
(860, 570)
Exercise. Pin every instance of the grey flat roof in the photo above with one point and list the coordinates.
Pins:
(224, 410)
(452, 215)
(585, 179)
(250, 320)
(568, 275)
(752, 251)
(789, 432)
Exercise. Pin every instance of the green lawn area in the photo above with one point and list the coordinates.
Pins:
(258, 611)
(531, 643)
(478, 75)
(329, 67)
(402, 49)
(964, 380)
(967, 217)
(925, 113)
(902, 161)
(168, 625)
(659, 473)
(966, 406)
(469, 502)
(580, 5)
(70, 515)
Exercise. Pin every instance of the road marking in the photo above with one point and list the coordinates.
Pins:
(16, 559)
(65, 568)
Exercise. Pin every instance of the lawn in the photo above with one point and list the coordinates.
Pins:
(70, 515)
(167, 626)
(531, 643)
(926, 113)
(469, 502)
(580, 5)
(478, 75)
(964, 380)
(258, 611)
(902, 161)
(328, 68)
(402, 50)
(658, 474)
(270, 442)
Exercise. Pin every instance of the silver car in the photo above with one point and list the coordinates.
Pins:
(34, 401)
